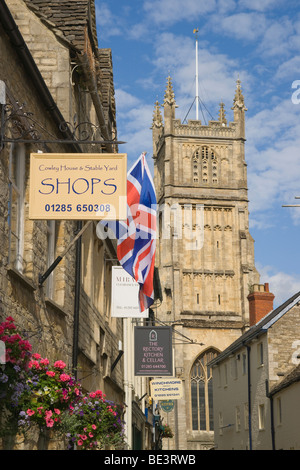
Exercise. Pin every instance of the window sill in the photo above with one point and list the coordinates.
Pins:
(13, 272)
(50, 303)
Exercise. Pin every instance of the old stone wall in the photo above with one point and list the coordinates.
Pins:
(48, 318)
(283, 355)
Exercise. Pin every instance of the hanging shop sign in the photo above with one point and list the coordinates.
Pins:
(78, 186)
(125, 295)
(167, 389)
(153, 351)
(167, 405)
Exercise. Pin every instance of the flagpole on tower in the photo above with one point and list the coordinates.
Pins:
(197, 90)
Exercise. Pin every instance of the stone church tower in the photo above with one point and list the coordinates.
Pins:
(205, 253)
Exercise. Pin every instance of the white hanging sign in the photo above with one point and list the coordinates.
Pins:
(125, 295)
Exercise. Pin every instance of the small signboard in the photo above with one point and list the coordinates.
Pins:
(125, 295)
(167, 389)
(78, 186)
(153, 351)
(167, 405)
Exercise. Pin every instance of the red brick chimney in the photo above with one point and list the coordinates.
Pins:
(260, 302)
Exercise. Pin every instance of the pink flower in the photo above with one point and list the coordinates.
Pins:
(91, 435)
(57, 411)
(9, 319)
(44, 362)
(36, 356)
(30, 412)
(64, 377)
(48, 414)
(50, 373)
(76, 391)
(59, 364)
(83, 437)
(80, 442)
(49, 422)
(34, 365)
(94, 426)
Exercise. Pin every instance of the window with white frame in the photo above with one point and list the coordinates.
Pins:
(260, 354)
(225, 375)
(237, 419)
(220, 423)
(261, 417)
(16, 205)
(244, 362)
(234, 368)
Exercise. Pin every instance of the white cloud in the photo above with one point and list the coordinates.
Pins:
(289, 69)
(167, 12)
(108, 23)
(282, 285)
(247, 26)
(276, 39)
(134, 118)
(125, 100)
(259, 5)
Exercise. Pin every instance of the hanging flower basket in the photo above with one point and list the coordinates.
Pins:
(50, 392)
(95, 424)
(36, 396)
(167, 432)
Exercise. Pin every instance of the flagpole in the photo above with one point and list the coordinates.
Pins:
(197, 78)
(43, 277)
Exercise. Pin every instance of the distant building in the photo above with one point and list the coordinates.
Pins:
(205, 252)
(256, 380)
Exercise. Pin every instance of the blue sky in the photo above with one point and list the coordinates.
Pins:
(255, 40)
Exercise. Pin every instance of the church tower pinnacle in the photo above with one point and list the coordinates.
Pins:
(222, 114)
(169, 93)
(169, 106)
(239, 109)
(157, 126)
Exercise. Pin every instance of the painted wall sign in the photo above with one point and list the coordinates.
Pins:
(78, 186)
(125, 295)
(153, 351)
(167, 389)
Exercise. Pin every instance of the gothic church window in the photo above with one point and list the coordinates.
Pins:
(202, 392)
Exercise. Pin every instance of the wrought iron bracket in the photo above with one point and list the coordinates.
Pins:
(19, 126)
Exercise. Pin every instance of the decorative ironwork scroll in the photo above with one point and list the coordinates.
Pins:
(19, 125)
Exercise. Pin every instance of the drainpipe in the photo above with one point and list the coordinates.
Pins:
(77, 302)
(249, 397)
(272, 414)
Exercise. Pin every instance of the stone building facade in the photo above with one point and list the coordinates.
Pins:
(53, 77)
(205, 253)
(255, 397)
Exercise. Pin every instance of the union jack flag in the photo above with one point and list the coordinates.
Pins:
(136, 237)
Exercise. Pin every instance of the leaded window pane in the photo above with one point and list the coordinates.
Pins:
(202, 393)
